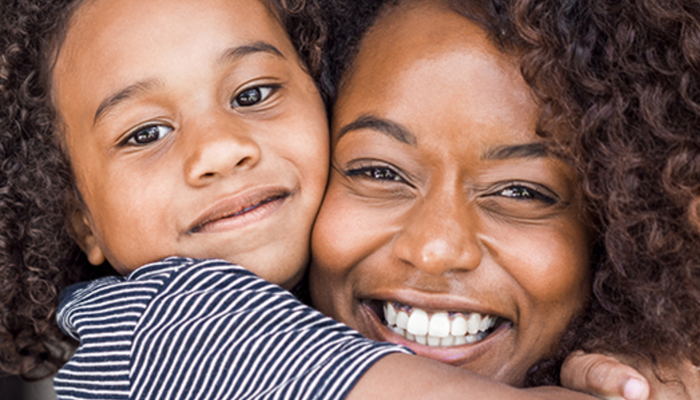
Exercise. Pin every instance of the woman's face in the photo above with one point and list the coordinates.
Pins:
(447, 226)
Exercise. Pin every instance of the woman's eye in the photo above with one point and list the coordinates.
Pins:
(525, 193)
(148, 134)
(378, 173)
(252, 96)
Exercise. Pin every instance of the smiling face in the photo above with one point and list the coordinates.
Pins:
(447, 226)
(192, 130)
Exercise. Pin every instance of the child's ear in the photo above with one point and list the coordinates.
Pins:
(83, 235)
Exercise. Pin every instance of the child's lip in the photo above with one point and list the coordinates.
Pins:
(238, 204)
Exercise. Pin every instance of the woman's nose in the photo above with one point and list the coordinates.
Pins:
(440, 235)
(219, 150)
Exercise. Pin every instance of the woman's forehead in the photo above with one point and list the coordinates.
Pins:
(431, 67)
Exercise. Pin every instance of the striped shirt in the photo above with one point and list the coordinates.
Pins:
(205, 329)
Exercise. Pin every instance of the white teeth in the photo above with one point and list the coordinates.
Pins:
(439, 325)
(433, 341)
(418, 322)
(473, 323)
(402, 319)
(485, 323)
(390, 313)
(459, 326)
(437, 329)
(447, 341)
(398, 330)
(471, 339)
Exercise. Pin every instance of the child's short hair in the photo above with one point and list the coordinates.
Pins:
(38, 195)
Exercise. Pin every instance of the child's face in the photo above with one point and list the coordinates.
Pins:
(444, 205)
(192, 130)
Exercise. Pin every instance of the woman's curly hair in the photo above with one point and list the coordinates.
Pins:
(618, 82)
(623, 77)
(38, 257)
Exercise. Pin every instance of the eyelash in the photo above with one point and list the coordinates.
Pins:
(131, 139)
(379, 173)
(263, 91)
(514, 190)
(523, 192)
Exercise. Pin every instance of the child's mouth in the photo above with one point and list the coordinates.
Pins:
(236, 208)
(254, 206)
(436, 329)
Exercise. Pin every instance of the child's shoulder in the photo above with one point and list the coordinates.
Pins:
(168, 275)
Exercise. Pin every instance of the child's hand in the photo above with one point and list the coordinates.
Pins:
(612, 378)
(603, 376)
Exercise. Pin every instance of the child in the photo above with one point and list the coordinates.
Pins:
(206, 140)
(193, 131)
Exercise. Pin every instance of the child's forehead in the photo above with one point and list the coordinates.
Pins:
(96, 15)
(129, 41)
(113, 28)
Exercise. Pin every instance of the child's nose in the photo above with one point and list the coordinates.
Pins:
(219, 151)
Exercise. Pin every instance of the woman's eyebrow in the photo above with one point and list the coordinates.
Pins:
(528, 150)
(387, 127)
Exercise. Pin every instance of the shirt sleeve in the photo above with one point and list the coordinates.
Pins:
(72, 299)
(219, 332)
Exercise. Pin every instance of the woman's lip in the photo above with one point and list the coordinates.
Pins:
(453, 355)
(241, 209)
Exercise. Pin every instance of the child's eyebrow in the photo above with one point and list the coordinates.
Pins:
(229, 55)
(236, 53)
(122, 95)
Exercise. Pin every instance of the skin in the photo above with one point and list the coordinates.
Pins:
(431, 217)
(597, 373)
(170, 136)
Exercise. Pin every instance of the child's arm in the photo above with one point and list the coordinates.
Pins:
(402, 377)
(614, 377)
(183, 328)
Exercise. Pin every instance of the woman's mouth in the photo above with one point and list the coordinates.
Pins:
(436, 329)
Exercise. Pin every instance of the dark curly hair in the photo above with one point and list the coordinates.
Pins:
(618, 84)
(623, 76)
(38, 257)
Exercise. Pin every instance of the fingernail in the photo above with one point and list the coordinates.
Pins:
(634, 389)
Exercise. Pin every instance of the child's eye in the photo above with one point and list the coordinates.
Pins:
(148, 134)
(378, 173)
(524, 193)
(252, 96)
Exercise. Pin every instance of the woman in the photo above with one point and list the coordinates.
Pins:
(463, 215)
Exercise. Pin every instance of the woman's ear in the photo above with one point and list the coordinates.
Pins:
(83, 234)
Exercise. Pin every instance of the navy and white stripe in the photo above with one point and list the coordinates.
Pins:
(205, 329)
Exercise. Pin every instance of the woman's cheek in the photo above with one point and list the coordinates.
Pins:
(332, 240)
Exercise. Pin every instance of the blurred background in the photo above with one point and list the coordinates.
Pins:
(13, 388)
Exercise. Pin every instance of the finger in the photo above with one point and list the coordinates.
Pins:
(603, 376)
